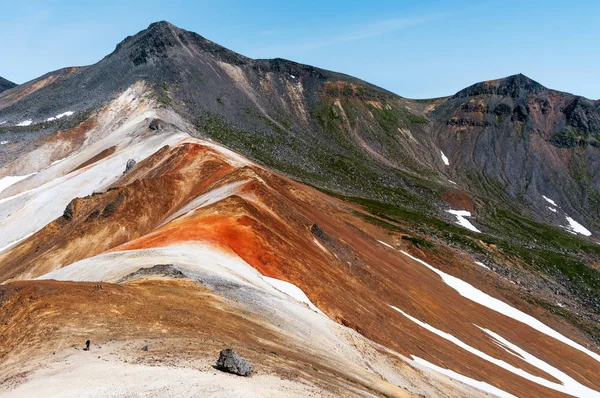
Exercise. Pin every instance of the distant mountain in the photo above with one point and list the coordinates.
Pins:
(5, 84)
(330, 229)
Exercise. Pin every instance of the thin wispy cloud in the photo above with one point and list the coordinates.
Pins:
(367, 31)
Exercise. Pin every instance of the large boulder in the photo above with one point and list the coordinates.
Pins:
(230, 361)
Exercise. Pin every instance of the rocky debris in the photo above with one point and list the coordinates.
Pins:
(146, 348)
(155, 125)
(87, 345)
(229, 361)
(130, 165)
(166, 270)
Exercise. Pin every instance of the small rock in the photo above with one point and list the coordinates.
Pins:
(146, 348)
(155, 125)
(230, 361)
(130, 165)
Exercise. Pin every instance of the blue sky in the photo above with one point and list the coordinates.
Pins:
(417, 49)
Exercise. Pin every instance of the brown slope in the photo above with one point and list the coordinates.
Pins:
(46, 322)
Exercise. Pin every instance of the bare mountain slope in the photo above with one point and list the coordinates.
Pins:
(349, 240)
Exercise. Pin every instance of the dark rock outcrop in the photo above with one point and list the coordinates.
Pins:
(583, 116)
(165, 270)
(130, 165)
(229, 361)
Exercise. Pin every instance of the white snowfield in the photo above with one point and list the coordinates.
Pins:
(576, 228)
(462, 221)
(445, 159)
(25, 123)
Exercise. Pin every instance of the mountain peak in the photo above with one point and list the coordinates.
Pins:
(5, 84)
(162, 40)
(514, 86)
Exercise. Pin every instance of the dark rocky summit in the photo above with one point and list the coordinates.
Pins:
(6, 84)
(229, 361)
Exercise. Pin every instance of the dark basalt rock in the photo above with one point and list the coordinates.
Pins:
(229, 361)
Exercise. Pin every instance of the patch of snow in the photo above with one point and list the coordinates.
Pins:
(483, 386)
(547, 199)
(445, 159)
(291, 290)
(293, 77)
(472, 293)
(568, 386)
(462, 221)
(25, 123)
(68, 113)
(482, 264)
(452, 182)
(14, 242)
(57, 162)
(575, 227)
(1, 123)
(3, 142)
(553, 210)
(7, 181)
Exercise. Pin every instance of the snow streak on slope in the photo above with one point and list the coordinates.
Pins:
(483, 386)
(467, 290)
(575, 227)
(68, 113)
(445, 159)
(7, 181)
(547, 199)
(568, 386)
(462, 221)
